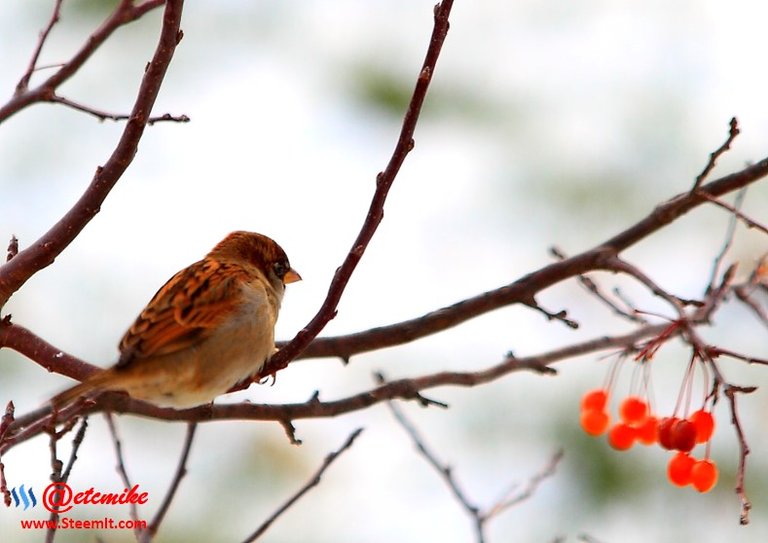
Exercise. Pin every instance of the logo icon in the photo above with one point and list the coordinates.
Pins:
(57, 497)
(23, 496)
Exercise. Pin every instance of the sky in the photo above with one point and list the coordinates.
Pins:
(548, 123)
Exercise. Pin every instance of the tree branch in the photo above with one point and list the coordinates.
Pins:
(125, 12)
(104, 115)
(121, 468)
(181, 471)
(375, 214)
(313, 482)
(479, 517)
(746, 505)
(23, 83)
(733, 132)
(523, 289)
(33, 423)
(15, 272)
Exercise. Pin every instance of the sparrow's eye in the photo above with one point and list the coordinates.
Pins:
(280, 268)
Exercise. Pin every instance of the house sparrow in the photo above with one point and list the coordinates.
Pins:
(209, 327)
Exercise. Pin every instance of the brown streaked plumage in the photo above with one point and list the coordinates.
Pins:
(210, 326)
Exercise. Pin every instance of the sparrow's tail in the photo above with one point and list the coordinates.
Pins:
(92, 384)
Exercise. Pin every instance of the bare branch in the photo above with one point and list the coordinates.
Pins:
(717, 351)
(42, 253)
(746, 505)
(619, 265)
(23, 83)
(444, 470)
(513, 497)
(35, 422)
(743, 294)
(57, 465)
(733, 131)
(41, 352)
(522, 289)
(479, 517)
(103, 115)
(121, 469)
(592, 287)
(561, 316)
(4, 486)
(735, 210)
(5, 422)
(313, 482)
(181, 471)
(384, 181)
(76, 442)
(729, 235)
(125, 13)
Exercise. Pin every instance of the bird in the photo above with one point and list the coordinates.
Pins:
(209, 327)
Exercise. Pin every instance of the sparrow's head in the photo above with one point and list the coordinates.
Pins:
(259, 251)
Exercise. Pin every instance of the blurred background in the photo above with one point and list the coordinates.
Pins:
(548, 123)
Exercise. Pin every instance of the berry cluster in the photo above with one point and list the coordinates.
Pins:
(637, 424)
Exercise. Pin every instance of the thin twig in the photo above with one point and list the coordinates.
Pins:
(630, 315)
(744, 294)
(751, 223)
(23, 83)
(384, 181)
(513, 498)
(42, 253)
(56, 466)
(121, 469)
(444, 470)
(746, 505)
(5, 423)
(592, 287)
(757, 281)
(60, 474)
(181, 471)
(4, 486)
(76, 442)
(314, 481)
(729, 236)
(124, 13)
(561, 316)
(733, 131)
(479, 517)
(619, 265)
(103, 115)
(717, 351)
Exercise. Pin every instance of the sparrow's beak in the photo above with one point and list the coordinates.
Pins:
(291, 276)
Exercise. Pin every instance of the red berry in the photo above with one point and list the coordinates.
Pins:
(679, 469)
(704, 423)
(621, 437)
(704, 475)
(683, 435)
(633, 410)
(648, 432)
(594, 422)
(594, 399)
(665, 432)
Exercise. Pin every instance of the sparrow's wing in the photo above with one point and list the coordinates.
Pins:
(185, 310)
